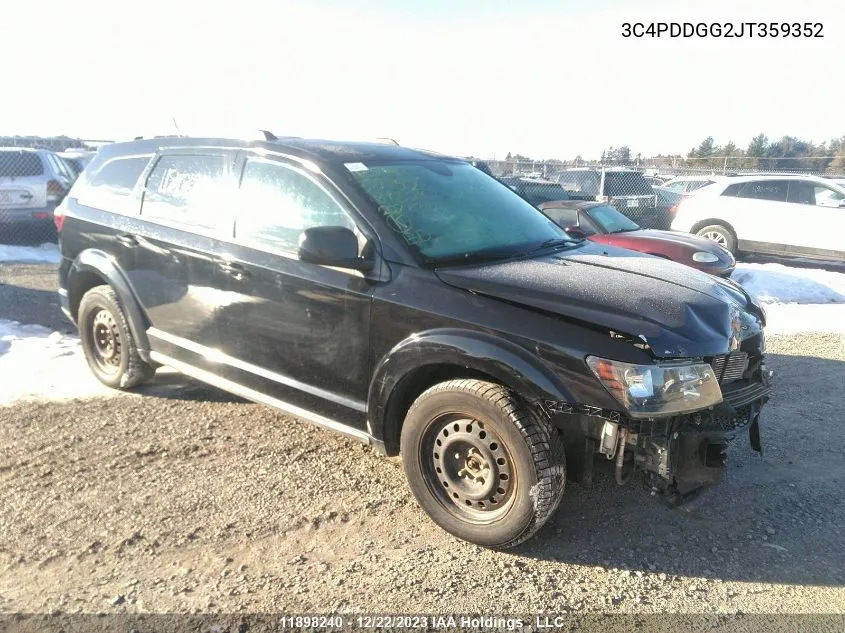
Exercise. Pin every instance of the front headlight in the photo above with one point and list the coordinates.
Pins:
(660, 389)
(704, 257)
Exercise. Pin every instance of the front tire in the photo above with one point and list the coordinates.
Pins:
(107, 342)
(720, 234)
(480, 464)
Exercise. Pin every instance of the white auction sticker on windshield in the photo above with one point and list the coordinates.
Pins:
(356, 166)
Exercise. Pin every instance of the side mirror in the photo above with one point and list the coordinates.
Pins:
(576, 232)
(332, 246)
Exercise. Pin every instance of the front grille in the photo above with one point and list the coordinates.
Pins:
(745, 394)
(729, 367)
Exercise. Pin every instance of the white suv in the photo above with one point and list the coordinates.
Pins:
(688, 184)
(800, 216)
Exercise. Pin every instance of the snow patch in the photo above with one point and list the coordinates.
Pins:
(776, 283)
(37, 363)
(796, 299)
(47, 253)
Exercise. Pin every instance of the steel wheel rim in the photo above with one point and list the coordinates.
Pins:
(106, 345)
(468, 468)
(717, 237)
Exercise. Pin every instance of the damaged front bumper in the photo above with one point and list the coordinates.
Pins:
(682, 454)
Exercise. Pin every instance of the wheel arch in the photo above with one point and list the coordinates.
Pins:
(94, 268)
(426, 359)
(702, 223)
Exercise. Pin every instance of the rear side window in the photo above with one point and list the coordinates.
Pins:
(20, 165)
(60, 167)
(626, 183)
(119, 175)
(74, 165)
(697, 184)
(732, 190)
(583, 182)
(187, 189)
(773, 190)
(110, 184)
(538, 193)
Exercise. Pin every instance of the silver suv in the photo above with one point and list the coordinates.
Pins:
(32, 184)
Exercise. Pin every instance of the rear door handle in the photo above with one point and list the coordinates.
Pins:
(233, 269)
(26, 196)
(127, 240)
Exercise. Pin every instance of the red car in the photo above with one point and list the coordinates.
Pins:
(601, 223)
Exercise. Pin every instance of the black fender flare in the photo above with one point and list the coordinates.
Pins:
(101, 264)
(509, 363)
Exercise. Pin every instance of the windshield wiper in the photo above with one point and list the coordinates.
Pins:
(555, 241)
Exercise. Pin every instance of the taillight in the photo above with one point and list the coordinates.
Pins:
(59, 218)
(673, 210)
(55, 191)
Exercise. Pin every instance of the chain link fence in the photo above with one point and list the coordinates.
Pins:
(646, 193)
(35, 175)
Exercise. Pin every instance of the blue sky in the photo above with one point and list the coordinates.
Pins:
(545, 79)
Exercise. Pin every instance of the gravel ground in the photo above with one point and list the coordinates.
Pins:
(28, 295)
(183, 499)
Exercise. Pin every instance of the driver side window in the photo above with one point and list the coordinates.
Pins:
(828, 197)
(278, 202)
(807, 192)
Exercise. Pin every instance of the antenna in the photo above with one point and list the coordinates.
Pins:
(385, 139)
(176, 125)
(268, 135)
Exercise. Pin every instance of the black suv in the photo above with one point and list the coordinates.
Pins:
(413, 302)
(625, 189)
(536, 190)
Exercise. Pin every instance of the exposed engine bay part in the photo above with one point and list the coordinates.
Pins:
(609, 440)
(680, 456)
(684, 462)
(620, 456)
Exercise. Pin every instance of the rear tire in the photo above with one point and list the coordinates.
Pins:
(480, 464)
(107, 342)
(720, 234)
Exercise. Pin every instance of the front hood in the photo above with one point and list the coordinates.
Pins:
(693, 241)
(677, 310)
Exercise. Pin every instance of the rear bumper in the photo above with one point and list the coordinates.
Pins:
(37, 216)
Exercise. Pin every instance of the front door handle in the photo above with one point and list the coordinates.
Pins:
(128, 240)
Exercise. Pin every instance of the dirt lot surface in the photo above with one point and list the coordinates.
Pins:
(183, 499)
